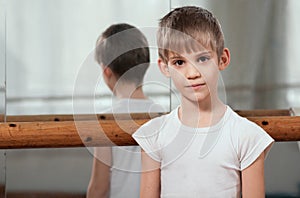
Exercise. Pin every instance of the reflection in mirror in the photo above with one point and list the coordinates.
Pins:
(122, 52)
(48, 48)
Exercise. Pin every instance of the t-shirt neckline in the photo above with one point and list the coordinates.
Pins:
(209, 129)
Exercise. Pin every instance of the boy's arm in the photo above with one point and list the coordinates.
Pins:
(253, 179)
(99, 185)
(150, 179)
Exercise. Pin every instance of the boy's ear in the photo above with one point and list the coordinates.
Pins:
(107, 72)
(224, 59)
(109, 77)
(163, 67)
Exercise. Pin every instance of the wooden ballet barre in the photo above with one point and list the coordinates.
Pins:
(47, 134)
(69, 117)
(265, 112)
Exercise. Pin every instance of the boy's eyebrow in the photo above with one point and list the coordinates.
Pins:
(204, 52)
(177, 56)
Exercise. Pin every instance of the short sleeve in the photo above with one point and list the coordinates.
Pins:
(147, 137)
(252, 141)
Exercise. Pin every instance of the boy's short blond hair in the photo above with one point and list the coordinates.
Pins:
(185, 29)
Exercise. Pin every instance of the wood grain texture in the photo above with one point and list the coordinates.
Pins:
(67, 134)
(281, 128)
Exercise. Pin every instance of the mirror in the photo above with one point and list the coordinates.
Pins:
(50, 46)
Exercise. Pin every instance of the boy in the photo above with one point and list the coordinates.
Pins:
(122, 52)
(202, 148)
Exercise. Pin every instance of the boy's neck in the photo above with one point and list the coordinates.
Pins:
(201, 114)
(129, 91)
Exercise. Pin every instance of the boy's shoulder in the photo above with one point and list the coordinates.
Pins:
(241, 123)
(156, 125)
(156, 133)
(243, 129)
(162, 120)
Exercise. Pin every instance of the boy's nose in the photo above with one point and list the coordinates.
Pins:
(192, 72)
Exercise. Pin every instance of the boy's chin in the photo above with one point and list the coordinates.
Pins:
(200, 98)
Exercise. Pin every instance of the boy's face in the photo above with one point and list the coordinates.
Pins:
(195, 74)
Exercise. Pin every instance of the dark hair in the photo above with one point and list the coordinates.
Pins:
(124, 49)
(187, 28)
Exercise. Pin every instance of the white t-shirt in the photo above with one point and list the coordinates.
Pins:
(126, 160)
(202, 162)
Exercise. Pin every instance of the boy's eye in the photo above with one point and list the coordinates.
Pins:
(203, 59)
(178, 62)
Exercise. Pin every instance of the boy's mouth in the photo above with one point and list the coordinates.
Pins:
(196, 86)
